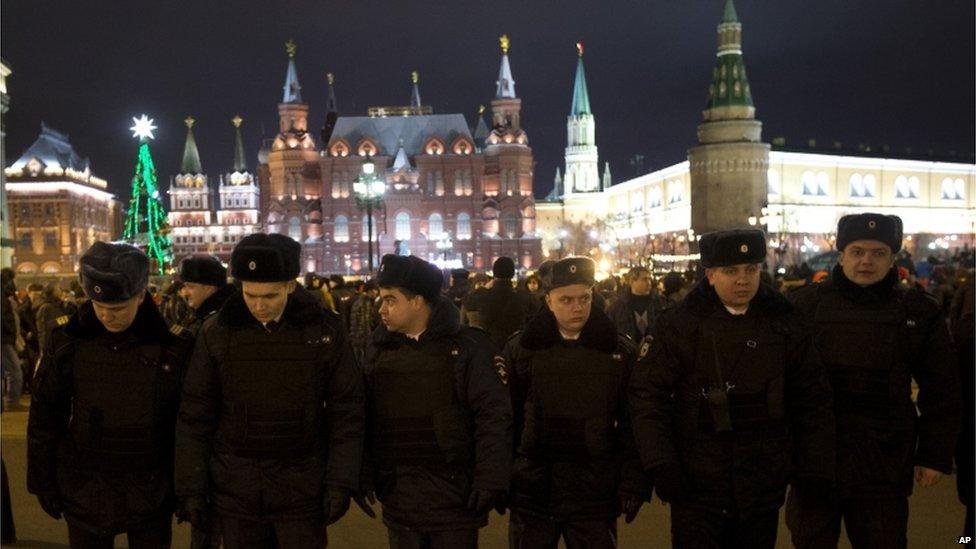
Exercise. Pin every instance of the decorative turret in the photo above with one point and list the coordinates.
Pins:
(480, 130)
(293, 90)
(191, 156)
(240, 165)
(415, 91)
(505, 85)
(729, 167)
(607, 178)
(331, 110)
(506, 107)
(582, 173)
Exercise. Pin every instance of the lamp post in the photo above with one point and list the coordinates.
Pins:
(369, 192)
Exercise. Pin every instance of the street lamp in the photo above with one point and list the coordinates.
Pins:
(369, 191)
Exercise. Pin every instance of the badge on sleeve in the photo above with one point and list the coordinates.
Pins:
(501, 369)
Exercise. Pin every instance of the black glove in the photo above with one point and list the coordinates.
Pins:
(481, 501)
(193, 509)
(335, 505)
(816, 491)
(629, 507)
(52, 505)
(360, 500)
(668, 482)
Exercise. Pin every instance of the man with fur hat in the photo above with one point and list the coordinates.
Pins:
(439, 453)
(576, 468)
(730, 402)
(101, 427)
(205, 287)
(875, 336)
(270, 432)
(503, 310)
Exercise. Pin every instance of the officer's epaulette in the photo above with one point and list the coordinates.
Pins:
(177, 330)
(62, 320)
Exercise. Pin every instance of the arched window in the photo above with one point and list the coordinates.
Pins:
(823, 181)
(510, 224)
(676, 191)
(856, 183)
(953, 189)
(435, 226)
(403, 226)
(365, 231)
(654, 196)
(814, 184)
(295, 229)
(463, 226)
(341, 228)
(772, 182)
(906, 187)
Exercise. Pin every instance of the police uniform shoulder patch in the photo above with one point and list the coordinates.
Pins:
(176, 329)
(62, 320)
(501, 369)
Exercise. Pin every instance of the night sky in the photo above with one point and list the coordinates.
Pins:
(885, 72)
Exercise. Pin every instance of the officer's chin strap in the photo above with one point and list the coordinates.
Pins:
(717, 394)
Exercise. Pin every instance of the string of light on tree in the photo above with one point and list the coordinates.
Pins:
(151, 229)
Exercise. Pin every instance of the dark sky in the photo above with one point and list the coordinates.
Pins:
(895, 72)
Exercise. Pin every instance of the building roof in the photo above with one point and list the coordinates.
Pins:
(191, 156)
(293, 90)
(240, 165)
(581, 97)
(729, 16)
(505, 85)
(414, 131)
(53, 150)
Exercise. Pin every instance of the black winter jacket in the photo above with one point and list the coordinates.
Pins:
(471, 452)
(779, 401)
(270, 418)
(95, 393)
(874, 342)
(575, 453)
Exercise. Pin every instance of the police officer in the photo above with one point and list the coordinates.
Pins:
(270, 429)
(503, 311)
(875, 336)
(205, 287)
(576, 468)
(730, 403)
(100, 433)
(441, 420)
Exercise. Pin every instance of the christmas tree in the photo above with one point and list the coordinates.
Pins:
(146, 225)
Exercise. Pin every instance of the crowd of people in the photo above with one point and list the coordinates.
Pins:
(258, 409)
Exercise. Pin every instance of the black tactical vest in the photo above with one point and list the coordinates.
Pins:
(751, 355)
(867, 353)
(569, 415)
(123, 406)
(418, 418)
(272, 386)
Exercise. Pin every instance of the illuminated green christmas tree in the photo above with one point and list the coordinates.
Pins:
(146, 225)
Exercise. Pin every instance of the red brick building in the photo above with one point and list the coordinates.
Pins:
(453, 195)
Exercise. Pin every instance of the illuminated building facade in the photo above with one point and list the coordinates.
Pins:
(58, 208)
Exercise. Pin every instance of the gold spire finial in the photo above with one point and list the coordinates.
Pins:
(481, 110)
(579, 48)
(236, 121)
(291, 48)
(330, 78)
(503, 40)
(415, 77)
(189, 121)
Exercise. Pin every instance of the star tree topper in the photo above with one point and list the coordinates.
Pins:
(143, 127)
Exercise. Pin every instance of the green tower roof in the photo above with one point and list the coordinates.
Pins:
(581, 97)
(730, 16)
(240, 165)
(191, 156)
(729, 86)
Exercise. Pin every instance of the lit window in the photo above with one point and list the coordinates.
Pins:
(814, 184)
(463, 226)
(365, 231)
(906, 187)
(341, 229)
(510, 224)
(953, 189)
(654, 196)
(403, 226)
(675, 192)
(435, 226)
(772, 182)
(295, 229)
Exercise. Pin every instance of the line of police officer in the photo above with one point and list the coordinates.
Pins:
(736, 394)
